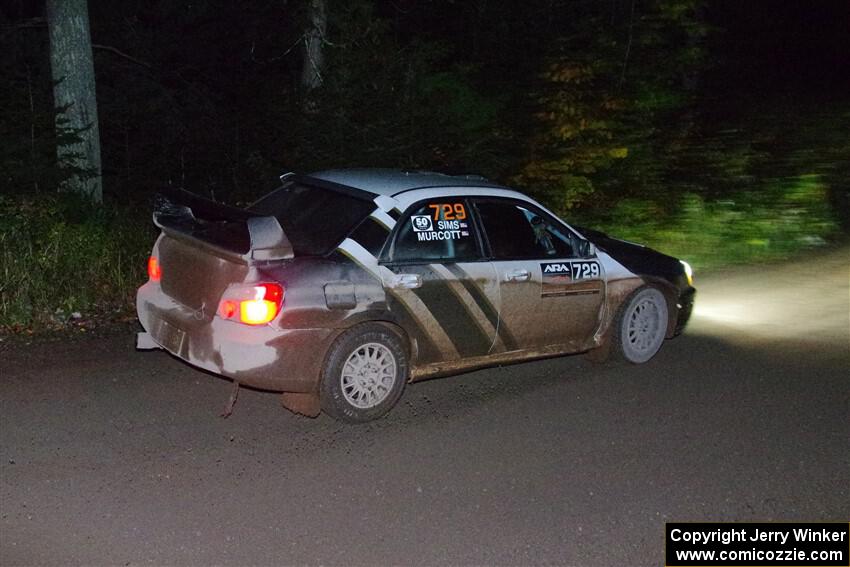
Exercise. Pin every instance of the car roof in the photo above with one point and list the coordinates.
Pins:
(391, 182)
(403, 188)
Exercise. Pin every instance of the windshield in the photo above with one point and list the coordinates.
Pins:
(314, 219)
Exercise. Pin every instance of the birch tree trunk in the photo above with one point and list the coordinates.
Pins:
(72, 67)
(311, 74)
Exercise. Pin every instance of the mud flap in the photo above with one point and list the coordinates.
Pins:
(600, 354)
(234, 393)
(304, 404)
(144, 341)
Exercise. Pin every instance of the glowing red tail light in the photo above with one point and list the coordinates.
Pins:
(154, 269)
(255, 304)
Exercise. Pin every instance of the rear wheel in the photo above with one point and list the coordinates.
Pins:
(364, 375)
(641, 326)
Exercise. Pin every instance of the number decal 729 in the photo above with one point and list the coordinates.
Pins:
(456, 211)
(584, 270)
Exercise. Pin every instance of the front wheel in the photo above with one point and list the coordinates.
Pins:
(641, 326)
(364, 375)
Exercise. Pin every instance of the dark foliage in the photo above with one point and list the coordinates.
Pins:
(629, 113)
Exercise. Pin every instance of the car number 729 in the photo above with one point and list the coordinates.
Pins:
(585, 270)
(450, 212)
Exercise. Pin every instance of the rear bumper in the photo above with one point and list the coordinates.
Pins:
(144, 341)
(267, 357)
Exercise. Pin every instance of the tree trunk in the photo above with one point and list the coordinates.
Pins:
(311, 75)
(72, 67)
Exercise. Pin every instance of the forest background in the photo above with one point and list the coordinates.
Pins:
(715, 131)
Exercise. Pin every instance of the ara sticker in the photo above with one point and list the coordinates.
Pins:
(570, 278)
(571, 270)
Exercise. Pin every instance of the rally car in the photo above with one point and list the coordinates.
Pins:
(340, 287)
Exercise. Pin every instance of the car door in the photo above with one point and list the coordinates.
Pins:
(549, 296)
(442, 281)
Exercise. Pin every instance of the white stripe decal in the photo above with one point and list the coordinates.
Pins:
(383, 218)
(414, 305)
(613, 269)
(385, 203)
(362, 256)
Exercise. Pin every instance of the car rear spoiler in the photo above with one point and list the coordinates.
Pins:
(228, 230)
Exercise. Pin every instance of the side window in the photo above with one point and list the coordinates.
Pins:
(371, 235)
(517, 232)
(437, 230)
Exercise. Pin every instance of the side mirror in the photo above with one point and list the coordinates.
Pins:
(586, 249)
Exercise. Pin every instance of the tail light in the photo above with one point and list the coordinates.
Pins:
(154, 269)
(255, 304)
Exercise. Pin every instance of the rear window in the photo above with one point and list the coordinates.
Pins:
(314, 219)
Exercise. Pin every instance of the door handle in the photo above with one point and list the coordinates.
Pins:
(405, 281)
(517, 275)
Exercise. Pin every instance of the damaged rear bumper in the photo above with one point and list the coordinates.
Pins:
(265, 356)
(144, 341)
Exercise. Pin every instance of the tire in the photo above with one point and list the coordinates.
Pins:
(364, 374)
(640, 326)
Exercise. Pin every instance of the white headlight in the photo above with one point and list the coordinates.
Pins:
(689, 272)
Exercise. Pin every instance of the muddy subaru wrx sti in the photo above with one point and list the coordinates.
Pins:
(340, 287)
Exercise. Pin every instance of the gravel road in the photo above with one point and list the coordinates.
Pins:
(112, 456)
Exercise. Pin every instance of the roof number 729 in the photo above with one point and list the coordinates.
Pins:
(450, 212)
